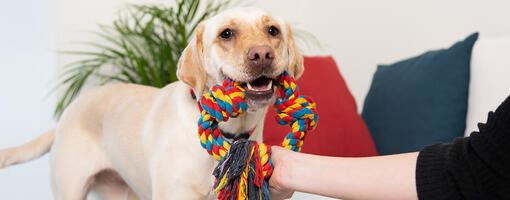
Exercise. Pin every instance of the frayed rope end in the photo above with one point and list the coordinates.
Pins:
(240, 175)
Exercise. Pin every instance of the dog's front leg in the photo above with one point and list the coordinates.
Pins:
(182, 184)
(182, 174)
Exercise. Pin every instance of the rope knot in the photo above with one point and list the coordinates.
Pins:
(291, 110)
(224, 101)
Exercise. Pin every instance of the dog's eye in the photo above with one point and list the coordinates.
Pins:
(273, 31)
(226, 34)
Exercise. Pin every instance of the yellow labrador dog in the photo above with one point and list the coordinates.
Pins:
(127, 141)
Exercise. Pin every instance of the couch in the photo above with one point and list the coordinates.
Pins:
(343, 132)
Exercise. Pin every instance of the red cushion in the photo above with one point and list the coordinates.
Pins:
(340, 131)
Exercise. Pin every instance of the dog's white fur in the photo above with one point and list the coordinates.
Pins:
(127, 141)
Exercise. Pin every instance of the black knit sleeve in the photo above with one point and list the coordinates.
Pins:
(475, 167)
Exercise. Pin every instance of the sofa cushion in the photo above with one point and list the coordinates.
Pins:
(340, 130)
(490, 82)
(420, 100)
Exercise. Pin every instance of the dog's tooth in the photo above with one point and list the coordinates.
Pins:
(269, 85)
(249, 86)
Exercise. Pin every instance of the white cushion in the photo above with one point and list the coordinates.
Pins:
(490, 79)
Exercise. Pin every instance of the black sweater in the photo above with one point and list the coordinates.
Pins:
(475, 167)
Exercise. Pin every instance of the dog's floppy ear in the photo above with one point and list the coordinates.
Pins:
(191, 69)
(296, 66)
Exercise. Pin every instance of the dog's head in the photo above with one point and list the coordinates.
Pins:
(245, 44)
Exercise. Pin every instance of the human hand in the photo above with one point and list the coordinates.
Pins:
(281, 166)
(391, 177)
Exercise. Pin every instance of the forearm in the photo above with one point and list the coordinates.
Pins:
(381, 177)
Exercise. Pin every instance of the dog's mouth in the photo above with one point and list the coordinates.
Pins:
(259, 86)
(259, 92)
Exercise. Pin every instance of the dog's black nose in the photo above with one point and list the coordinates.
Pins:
(261, 55)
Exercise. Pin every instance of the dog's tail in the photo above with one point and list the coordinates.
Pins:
(28, 151)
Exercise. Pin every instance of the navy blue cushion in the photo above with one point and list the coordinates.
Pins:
(421, 100)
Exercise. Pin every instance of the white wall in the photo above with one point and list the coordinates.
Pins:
(27, 63)
(359, 34)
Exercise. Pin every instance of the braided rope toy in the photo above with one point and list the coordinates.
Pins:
(245, 166)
